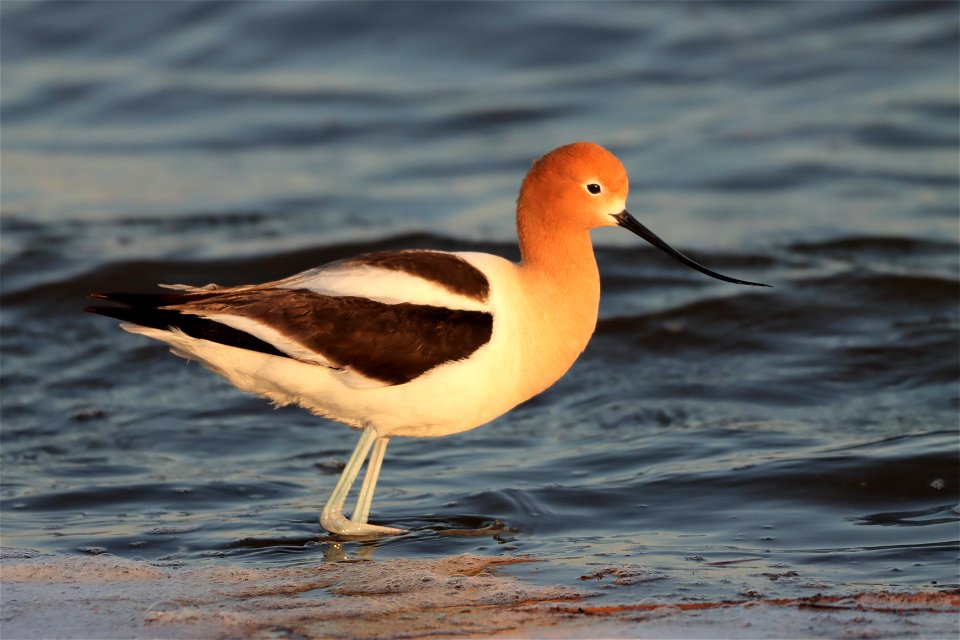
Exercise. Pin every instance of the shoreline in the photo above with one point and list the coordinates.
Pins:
(103, 596)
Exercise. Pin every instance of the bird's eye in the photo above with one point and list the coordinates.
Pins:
(593, 188)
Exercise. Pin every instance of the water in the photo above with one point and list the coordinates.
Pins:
(739, 441)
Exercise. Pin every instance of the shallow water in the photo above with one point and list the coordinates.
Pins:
(735, 441)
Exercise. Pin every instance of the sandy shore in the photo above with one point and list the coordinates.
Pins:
(61, 596)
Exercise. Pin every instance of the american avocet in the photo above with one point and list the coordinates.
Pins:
(413, 343)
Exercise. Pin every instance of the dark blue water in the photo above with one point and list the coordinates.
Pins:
(808, 432)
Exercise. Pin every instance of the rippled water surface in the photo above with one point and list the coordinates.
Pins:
(783, 441)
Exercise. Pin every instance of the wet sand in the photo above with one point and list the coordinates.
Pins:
(103, 596)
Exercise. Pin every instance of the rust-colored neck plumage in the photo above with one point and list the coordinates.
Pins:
(560, 283)
(567, 192)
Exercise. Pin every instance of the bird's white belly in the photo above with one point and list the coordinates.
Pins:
(451, 398)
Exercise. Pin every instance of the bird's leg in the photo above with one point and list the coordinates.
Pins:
(332, 518)
(365, 499)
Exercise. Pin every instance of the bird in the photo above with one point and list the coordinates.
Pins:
(418, 342)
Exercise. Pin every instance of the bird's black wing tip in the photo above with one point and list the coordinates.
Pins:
(126, 299)
(124, 314)
(149, 300)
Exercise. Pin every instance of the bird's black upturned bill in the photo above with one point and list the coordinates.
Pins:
(627, 221)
